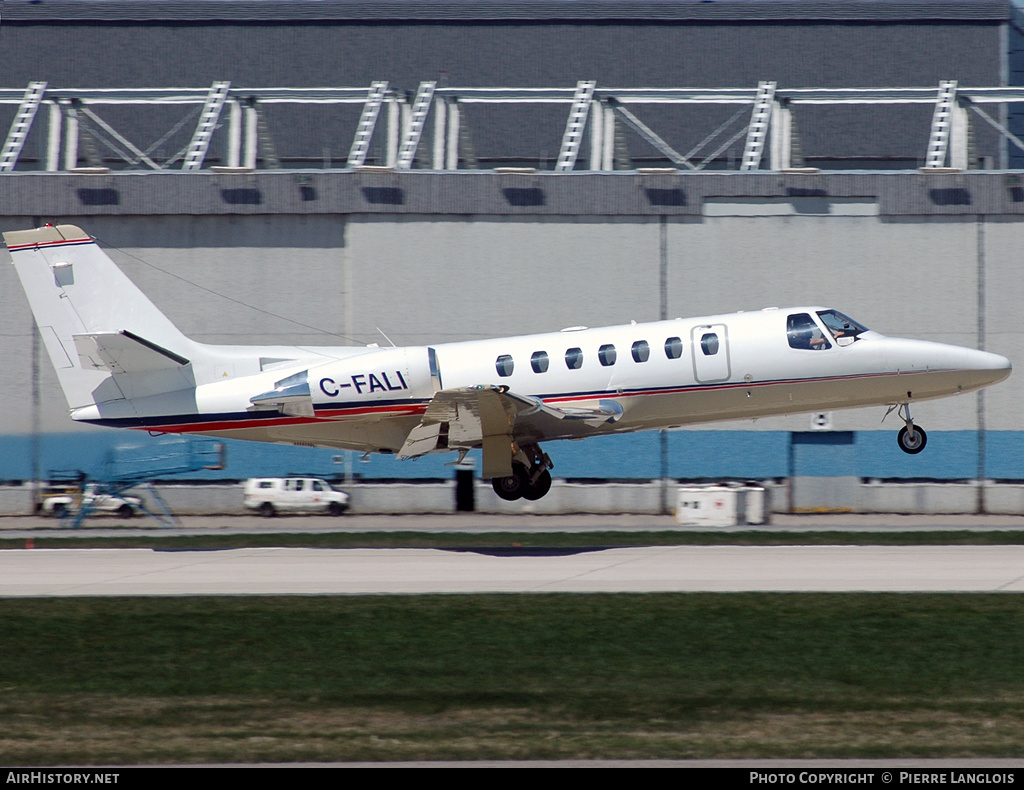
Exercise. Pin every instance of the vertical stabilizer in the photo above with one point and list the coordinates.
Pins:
(100, 330)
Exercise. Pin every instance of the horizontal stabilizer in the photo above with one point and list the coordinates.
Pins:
(124, 352)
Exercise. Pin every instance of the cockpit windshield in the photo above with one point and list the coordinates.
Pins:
(843, 328)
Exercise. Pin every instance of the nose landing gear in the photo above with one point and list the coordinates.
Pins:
(911, 439)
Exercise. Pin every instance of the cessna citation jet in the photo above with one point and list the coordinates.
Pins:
(122, 363)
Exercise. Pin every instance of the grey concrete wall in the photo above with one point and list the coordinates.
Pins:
(809, 495)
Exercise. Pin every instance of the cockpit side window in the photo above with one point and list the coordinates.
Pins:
(841, 326)
(804, 334)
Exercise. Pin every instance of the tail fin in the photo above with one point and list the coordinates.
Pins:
(104, 337)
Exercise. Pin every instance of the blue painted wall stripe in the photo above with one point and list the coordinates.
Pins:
(950, 455)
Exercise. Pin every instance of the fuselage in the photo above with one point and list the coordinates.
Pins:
(661, 374)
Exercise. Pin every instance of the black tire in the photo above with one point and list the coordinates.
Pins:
(336, 509)
(912, 446)
(538, 489)
(512, 487)
(126, 511)
(267, 510)
(59, 511)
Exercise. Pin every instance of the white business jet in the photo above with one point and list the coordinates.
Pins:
(121, 362)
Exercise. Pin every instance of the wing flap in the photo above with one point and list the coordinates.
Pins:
(494, 418)
(461, 417)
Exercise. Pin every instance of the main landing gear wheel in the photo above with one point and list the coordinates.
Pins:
(912, 443)
(512, 487)
(521, 485)
(539, 487)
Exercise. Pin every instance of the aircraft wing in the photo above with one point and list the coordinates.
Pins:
(494, 418)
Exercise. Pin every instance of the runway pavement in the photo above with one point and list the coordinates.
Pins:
(124, 572)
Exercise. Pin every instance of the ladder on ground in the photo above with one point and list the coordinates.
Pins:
(573, 136)
(21, 125)
(367, 123)
(207, 125)
(942, 119)
(757, 132)
(417, 119)
(267, 151)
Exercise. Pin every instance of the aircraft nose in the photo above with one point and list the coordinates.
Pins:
(987, 368)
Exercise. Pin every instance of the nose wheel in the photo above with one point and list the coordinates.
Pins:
(911, 438)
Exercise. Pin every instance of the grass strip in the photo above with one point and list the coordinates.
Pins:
(500, 676)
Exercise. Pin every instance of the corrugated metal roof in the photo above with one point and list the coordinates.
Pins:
(53, 196)
(498, 10)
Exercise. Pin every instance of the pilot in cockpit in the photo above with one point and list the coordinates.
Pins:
(804, 333)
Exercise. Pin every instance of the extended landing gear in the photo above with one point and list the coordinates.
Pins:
(526, 482)
(522, 484)
(911, 439)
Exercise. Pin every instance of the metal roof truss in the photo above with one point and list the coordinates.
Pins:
(73, 110)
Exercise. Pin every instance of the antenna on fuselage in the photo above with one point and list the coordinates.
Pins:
(386, 337)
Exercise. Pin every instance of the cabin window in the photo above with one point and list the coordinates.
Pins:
(641, 351)
(504, 365)
(574, 358)
(709, 344)
(539, 361)
(673, 348)
(804, 334)
(606, 355)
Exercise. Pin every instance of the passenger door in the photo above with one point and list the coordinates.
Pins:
(710, 349)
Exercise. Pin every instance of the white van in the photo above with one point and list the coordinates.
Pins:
(269, 495)
(93, 500)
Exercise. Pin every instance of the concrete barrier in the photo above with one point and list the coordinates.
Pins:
(821, 495)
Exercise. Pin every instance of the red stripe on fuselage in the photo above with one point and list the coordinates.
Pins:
(332, 415)
(244, 423)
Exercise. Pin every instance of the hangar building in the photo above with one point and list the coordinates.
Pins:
(414, 166)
